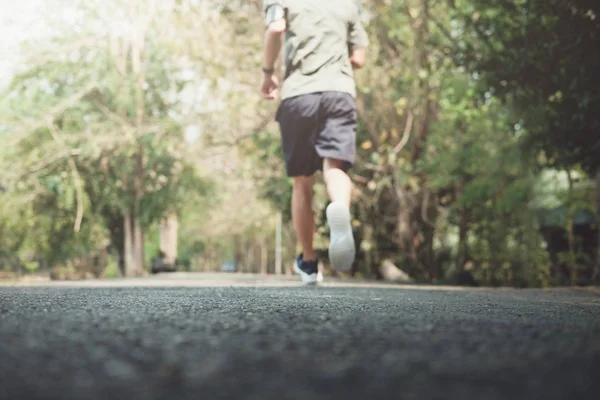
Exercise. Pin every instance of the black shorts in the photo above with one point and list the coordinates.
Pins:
(317, 126)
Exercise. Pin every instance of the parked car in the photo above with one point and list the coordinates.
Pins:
(159, 265)
(228, 266)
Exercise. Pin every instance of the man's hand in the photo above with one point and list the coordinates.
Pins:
(358, 58)
(270, 86)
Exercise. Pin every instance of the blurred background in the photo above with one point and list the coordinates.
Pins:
(133, 140)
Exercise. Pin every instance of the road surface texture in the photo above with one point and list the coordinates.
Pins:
(250, 337)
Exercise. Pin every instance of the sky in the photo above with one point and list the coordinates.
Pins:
(21, 20)
(17, 23)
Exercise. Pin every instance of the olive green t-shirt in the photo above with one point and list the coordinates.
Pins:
(320, 36)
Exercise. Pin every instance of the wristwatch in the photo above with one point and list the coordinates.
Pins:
(268, 71)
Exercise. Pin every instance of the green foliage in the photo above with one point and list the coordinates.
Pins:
(541, 55)
(81, 153)
(466, 173)
(477, 129)
(111, 270)
(31, 266)
(276, 187)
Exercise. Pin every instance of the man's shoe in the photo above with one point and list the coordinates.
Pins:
(308, 270)
(341, 239)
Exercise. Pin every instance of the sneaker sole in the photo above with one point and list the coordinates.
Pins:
(342, 249)
(308, 279)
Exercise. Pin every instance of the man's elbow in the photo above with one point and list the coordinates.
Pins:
(276, 28)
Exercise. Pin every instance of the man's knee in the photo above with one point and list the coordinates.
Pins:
(332, 163)
(303, 184)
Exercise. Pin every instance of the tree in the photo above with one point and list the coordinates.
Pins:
(96, 109)
(542, 58)
(137, 112)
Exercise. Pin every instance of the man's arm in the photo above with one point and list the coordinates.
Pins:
(276, 26)
(358, 41)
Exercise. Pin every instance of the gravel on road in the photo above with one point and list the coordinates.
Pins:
(297, 343)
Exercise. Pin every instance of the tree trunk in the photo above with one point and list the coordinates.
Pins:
(571, 233)
(371, 251)
(405, 233)
(422, 93)
(463, 246)
(264, 256)
(404, 229)
(168, 238)
(103, 261)
(290, 250)
(596, 274)
(138, 245)
(115, 224)
(409, 226)
(138, 40)
(138, 235)
(278, 245)
(250, 255)
(427, 252)
(128, 244)
(407, 237)
(237, 256)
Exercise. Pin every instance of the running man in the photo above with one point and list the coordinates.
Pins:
(324, 41)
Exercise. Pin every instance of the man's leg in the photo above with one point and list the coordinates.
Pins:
(302, 215)
(337, 180)
(298, 119)
(342, 249)
(337, 147)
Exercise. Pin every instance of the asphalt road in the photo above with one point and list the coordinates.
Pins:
(284, 341)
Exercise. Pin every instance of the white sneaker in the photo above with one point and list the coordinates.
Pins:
(341, 240)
